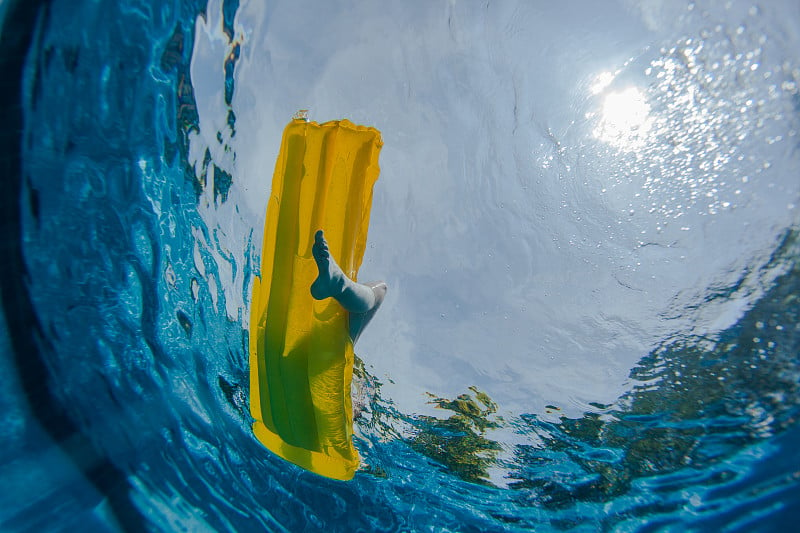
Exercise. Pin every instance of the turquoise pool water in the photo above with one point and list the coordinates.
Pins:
(587, 217)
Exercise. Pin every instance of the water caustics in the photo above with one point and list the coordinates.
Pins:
(587, 218)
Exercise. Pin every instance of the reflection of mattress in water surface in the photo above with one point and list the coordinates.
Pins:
(301, 356)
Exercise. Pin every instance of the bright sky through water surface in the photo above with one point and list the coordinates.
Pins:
(550, 209)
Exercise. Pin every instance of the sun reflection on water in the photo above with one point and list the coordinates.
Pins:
(625, 119)
(697, 121)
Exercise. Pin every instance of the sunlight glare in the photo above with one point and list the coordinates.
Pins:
(625, 119)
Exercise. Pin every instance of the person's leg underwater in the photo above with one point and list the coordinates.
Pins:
(361, 300)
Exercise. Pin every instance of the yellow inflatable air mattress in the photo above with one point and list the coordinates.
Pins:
(301, 356)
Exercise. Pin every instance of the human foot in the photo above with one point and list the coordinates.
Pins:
(331, 280)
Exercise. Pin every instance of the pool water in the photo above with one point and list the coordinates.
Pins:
(587, 216)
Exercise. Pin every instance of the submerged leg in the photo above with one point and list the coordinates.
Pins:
(360, 300)
(358, 321)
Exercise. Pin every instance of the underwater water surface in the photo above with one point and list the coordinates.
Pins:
(587, 216)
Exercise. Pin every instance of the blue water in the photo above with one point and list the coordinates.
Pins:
(130, 240)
